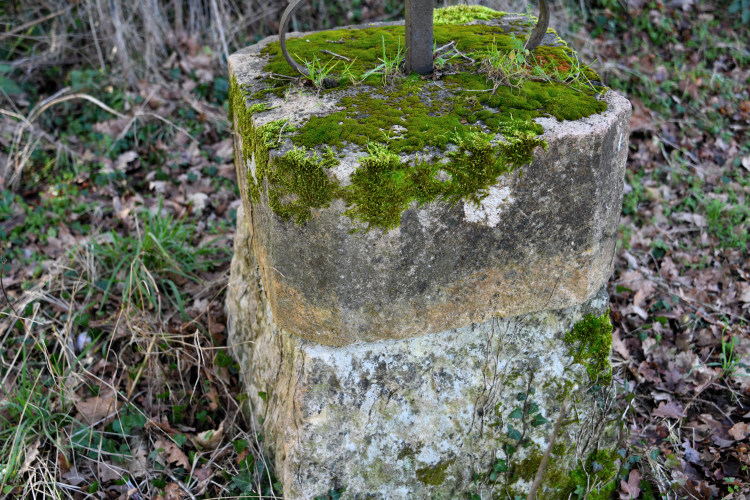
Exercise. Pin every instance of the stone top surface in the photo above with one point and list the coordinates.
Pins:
(403, 206)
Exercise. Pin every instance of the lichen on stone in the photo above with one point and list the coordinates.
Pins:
(591, 345)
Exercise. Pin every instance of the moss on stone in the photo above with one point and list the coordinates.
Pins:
(408, 452)
(591, 346)
(383, 186)
(434, 475)
(297, 181)
(461, 14)
(463, 111)
(585, 475)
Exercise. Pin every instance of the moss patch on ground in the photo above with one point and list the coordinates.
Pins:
(591, 345)
(457, 118)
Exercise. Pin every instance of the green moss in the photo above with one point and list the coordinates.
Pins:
(297, 181)
(591, 343)
(583, 476)
(463, 110)
(383, 186)
(436, 474)
(460, 14)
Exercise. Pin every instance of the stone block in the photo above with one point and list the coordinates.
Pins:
(418, 417)
(419, 269)
(543, 237)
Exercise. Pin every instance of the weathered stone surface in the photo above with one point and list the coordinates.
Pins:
(543, 239)
(416, 417)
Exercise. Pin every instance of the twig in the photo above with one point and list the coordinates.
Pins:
(335, 55)
(440, 49)
(545, 458)
(221, 29)
(31, 23)
(5, 294)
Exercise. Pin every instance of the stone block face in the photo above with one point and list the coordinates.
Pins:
(543, 239)
(414, 417)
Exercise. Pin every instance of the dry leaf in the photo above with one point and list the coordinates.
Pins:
(172, 453)
(203, 476)
(210, 439)
(122, 161)
(95, 409)
(30, 455)
(639, 298)
(108, 472)
(669, 410)
(74, 478)
(618, 345)
(739, 431)
(138, 465)
(631, 489)
(635, 280)
(173, 492)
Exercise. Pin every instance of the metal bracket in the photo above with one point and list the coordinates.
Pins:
(536, 36)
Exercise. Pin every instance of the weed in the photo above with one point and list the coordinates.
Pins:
(30, 415)
(390, 66)
(513, 67)
(507, 69)
(442, 56)
(350, 75)
(729, 223)
(158, 257)
(318, 71)
(730, 362)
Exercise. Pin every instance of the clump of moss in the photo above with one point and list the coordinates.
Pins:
(297, 181)
(461, 14)
(600, 467)
(383, 186)
(591, 345)
(435, 475)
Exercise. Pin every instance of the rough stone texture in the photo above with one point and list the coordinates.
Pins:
(411, 418)
(543, 240)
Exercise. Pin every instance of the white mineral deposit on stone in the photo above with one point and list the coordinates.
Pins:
(429, 456)
(252, 168)
(588, 126)
(490, 209)
(347, 165)
(305, 105)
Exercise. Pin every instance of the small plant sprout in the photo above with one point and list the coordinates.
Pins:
(506, 69)
(389, 67)
(319, 72)
(729, 362)
(348, 74)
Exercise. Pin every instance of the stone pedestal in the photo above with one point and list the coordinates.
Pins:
(424, 350)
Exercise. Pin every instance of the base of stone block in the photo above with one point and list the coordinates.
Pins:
(421, 417)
